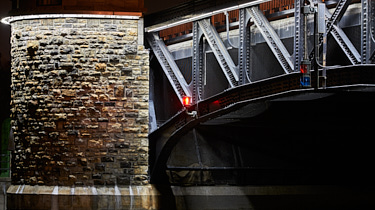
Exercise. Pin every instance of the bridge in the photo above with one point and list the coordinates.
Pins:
(262, 93)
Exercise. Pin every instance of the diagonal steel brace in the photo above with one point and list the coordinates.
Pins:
(169, 66)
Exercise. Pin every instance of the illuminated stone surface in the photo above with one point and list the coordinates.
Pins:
(79, 102)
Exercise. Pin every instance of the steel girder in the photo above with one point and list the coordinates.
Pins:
(367, 31)
(244, 47)
(220, 51)
(372, 23)
(338, 34)
(169, 66)
(299, 22)
(335, 18)
(272, 39)
(346, 45)
(197, 64)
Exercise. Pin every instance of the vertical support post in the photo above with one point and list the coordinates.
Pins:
(365, 31)
(305, 64)
(319, 29)
(316, 49)
(244, 49)
(298, 35)
(324, 73)
(197, 63)
(372, 32)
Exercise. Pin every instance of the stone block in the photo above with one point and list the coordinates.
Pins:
(107, 159)
(100, 66)
(123, 180)
(99, 167)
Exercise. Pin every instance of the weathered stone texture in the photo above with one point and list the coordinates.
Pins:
(79, 102)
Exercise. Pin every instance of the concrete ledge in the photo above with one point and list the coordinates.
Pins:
(62, 197)
(9, 20)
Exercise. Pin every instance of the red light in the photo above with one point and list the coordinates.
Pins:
(186, 101)
(303, 68)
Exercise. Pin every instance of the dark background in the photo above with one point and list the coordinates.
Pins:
(5, 6)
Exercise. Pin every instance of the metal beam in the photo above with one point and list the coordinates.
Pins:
(197, 59)
(372, 25)
(334, 19)
(169, 66)
(299, 21)
(197, 17)
(220, 51)
(346, 45)
(339, 35)
(244, 49)
(336, 16)
(366, 31)
(272, 39)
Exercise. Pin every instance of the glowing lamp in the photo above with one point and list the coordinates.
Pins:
(186, 101)
(304, 68)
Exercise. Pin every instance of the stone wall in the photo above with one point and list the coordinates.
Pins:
(79, 102)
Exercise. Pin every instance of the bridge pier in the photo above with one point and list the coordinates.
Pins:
(79, 113)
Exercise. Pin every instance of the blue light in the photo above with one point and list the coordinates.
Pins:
(305, 81)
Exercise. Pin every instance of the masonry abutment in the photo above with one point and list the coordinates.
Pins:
(80, 111)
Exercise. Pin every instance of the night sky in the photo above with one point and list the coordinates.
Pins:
(5, 6)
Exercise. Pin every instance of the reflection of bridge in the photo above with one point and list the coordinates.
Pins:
(254, 119)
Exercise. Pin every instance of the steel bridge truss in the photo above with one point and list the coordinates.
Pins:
(239, 74)
(242, 93)
(332, 29)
